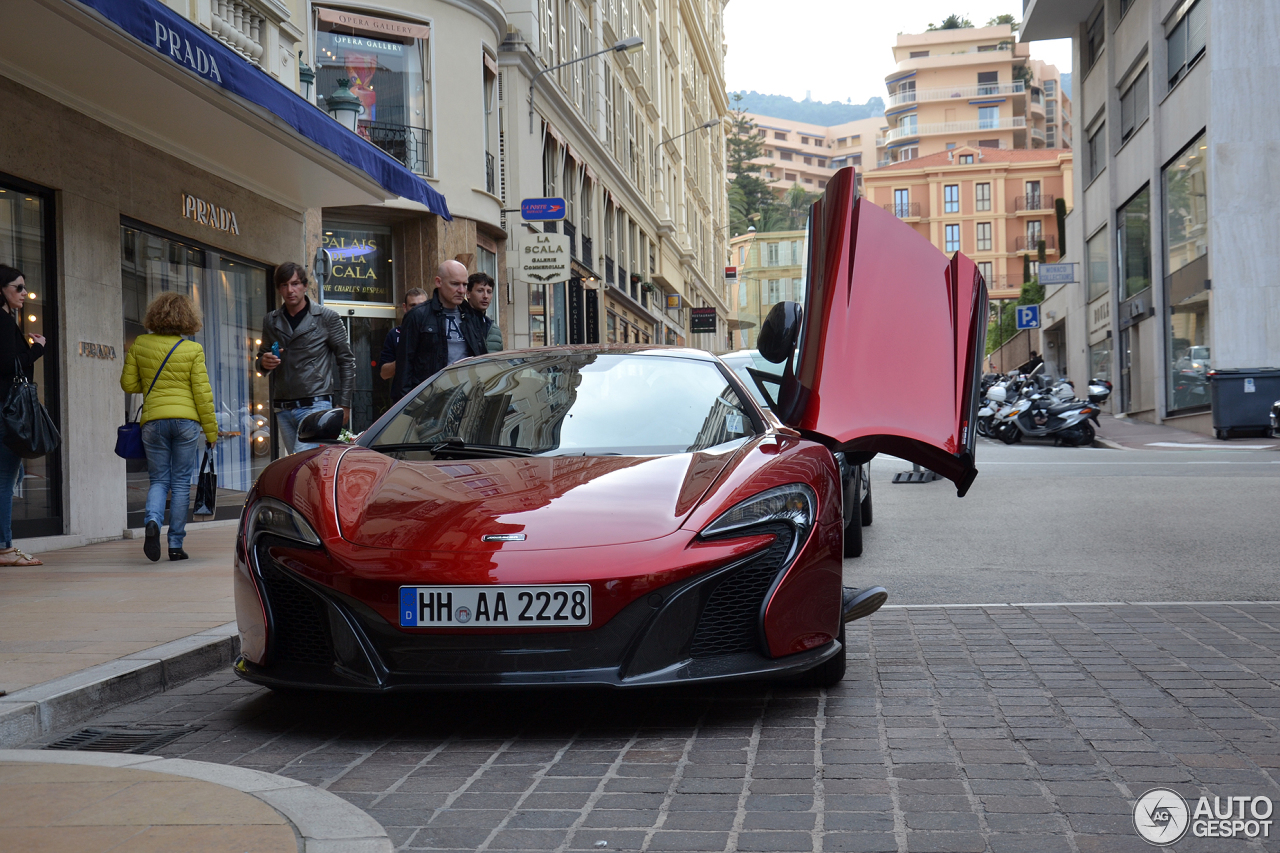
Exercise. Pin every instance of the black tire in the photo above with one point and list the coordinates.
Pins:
(984, 427)
(1009, 434)
(865, 510)
(829, 673)
(853, 536)
(1087, 435)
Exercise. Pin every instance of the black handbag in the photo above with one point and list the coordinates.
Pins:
(206, 487)
(129, 436)
(28, 430)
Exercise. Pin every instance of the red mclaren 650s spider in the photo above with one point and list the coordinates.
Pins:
(619, 515)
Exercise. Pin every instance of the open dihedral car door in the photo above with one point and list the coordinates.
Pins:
(891, 342)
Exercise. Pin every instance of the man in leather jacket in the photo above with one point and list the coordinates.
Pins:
(440, 331)
(315, 370)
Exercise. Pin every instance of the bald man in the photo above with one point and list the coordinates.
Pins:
(440, 331)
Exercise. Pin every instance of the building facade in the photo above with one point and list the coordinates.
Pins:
(975, 86)
(997, 205)
(634, 143)
(199, 168)
(809, 154)
(1171, 227)
(770, 268)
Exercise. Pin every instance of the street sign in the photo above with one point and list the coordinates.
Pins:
(1028, 316)
(1057, 273)
(730, 273)
(544, 258)
(702, 320)
(541, 209)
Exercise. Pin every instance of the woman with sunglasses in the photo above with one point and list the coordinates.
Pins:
(14, 350)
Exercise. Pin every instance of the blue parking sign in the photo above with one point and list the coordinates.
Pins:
(1028, 316)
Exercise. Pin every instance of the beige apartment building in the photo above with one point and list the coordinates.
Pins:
(975, 86)
(809, 154)
(770, 270)
(994, 204)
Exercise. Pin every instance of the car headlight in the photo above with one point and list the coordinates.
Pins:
(794, 504)
(277, 518)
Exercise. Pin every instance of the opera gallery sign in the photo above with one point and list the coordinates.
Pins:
(544, 258)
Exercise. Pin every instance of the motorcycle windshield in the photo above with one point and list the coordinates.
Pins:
(890, 350)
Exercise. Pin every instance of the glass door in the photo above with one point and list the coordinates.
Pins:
(367, 330)
(27, 243)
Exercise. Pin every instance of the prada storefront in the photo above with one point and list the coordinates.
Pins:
(178, 176)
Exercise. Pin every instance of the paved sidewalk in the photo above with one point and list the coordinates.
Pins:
(1131, 434)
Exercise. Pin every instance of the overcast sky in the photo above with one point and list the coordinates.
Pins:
(839, 49)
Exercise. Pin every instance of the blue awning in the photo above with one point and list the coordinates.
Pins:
(186, 45)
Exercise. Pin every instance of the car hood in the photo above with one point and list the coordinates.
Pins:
(556, 502)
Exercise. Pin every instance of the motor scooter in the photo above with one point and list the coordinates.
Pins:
(1041, 416)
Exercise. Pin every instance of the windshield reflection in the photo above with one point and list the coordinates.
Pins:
(572, 403)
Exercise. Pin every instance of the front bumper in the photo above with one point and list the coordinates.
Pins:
(708, 627)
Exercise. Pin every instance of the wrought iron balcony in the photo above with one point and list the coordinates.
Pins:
(588, 257)
(1030, 243)
(1033, 201)
(904, 209)
(571, 231)
(409, 145)
(608, 270)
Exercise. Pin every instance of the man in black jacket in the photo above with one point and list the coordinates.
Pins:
(314, 370)
(440, 331)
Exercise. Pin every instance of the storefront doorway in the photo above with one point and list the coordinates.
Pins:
(367, 330)
(27, 243)
(233, 296)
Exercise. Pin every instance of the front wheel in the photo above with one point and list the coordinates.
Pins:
(1009, 434)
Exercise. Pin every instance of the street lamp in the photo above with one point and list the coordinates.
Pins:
(344, 105)
(306, 77)
(654, 157)
(627, 45)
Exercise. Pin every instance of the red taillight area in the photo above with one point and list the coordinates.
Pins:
(251, 617)
(810, 641)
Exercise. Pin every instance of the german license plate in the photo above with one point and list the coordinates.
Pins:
(544, 606)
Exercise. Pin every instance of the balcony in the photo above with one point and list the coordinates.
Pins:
(571, 231)
(1030, 243)
(905, 210)
(240, 27)
(608, 270)
(1037, 134)
(912, 96)
(880, 164)
(490, 174)
(587, 257)
(950, 127)
(1033, 201)
(410, 145)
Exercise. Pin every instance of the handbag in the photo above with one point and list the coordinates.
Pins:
(129, 436)
(206, 486)
(28, 430)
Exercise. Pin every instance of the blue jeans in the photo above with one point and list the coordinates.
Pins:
(10, 465)
(289, 419)
(173, 451)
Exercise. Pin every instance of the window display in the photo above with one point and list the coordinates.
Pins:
(1186, 234)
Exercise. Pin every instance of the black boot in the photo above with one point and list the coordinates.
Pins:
(860, 603)
(177, 554)
(151, 547)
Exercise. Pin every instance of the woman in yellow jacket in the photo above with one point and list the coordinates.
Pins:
(176, 409)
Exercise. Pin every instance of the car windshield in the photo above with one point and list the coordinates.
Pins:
(571, 404)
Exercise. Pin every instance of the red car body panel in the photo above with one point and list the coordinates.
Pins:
(892, 339)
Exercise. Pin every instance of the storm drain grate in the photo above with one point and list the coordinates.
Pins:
(122, 739)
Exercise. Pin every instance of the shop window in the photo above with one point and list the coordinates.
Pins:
(1100, 360)
(233, 295)
(1186, 234)
(1098, 264)
(27, 243)
(388, 73)
(1133, 240)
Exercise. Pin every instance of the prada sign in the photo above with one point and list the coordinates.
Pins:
(209, 214)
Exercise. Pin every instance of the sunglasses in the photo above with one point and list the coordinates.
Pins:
(20, 288)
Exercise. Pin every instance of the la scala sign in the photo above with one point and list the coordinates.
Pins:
(544, 258)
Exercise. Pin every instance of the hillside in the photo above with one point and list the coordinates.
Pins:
(813, 112)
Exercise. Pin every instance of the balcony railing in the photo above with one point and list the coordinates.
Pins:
(608, 270)
(956, 127)
(1036, 133)
(912, 96)
(587, 257)
(409, 145)
(880, 164)
(1031, 243)
(904, 210)
(1033, 201)
(240, 26)
(571, 231)
(490, 174)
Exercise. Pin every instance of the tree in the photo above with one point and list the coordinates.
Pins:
(1004, 19)
(953, 22)
(749, 194)
(797, 207)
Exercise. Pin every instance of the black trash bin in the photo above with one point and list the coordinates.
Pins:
(1242, 398)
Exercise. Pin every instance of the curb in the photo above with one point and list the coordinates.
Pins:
(1101, 443)
(326, 822)
(34, 712)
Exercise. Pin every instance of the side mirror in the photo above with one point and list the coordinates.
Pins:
(321, 427)
(779, 332)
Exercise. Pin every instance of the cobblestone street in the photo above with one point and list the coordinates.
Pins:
(957, 729)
